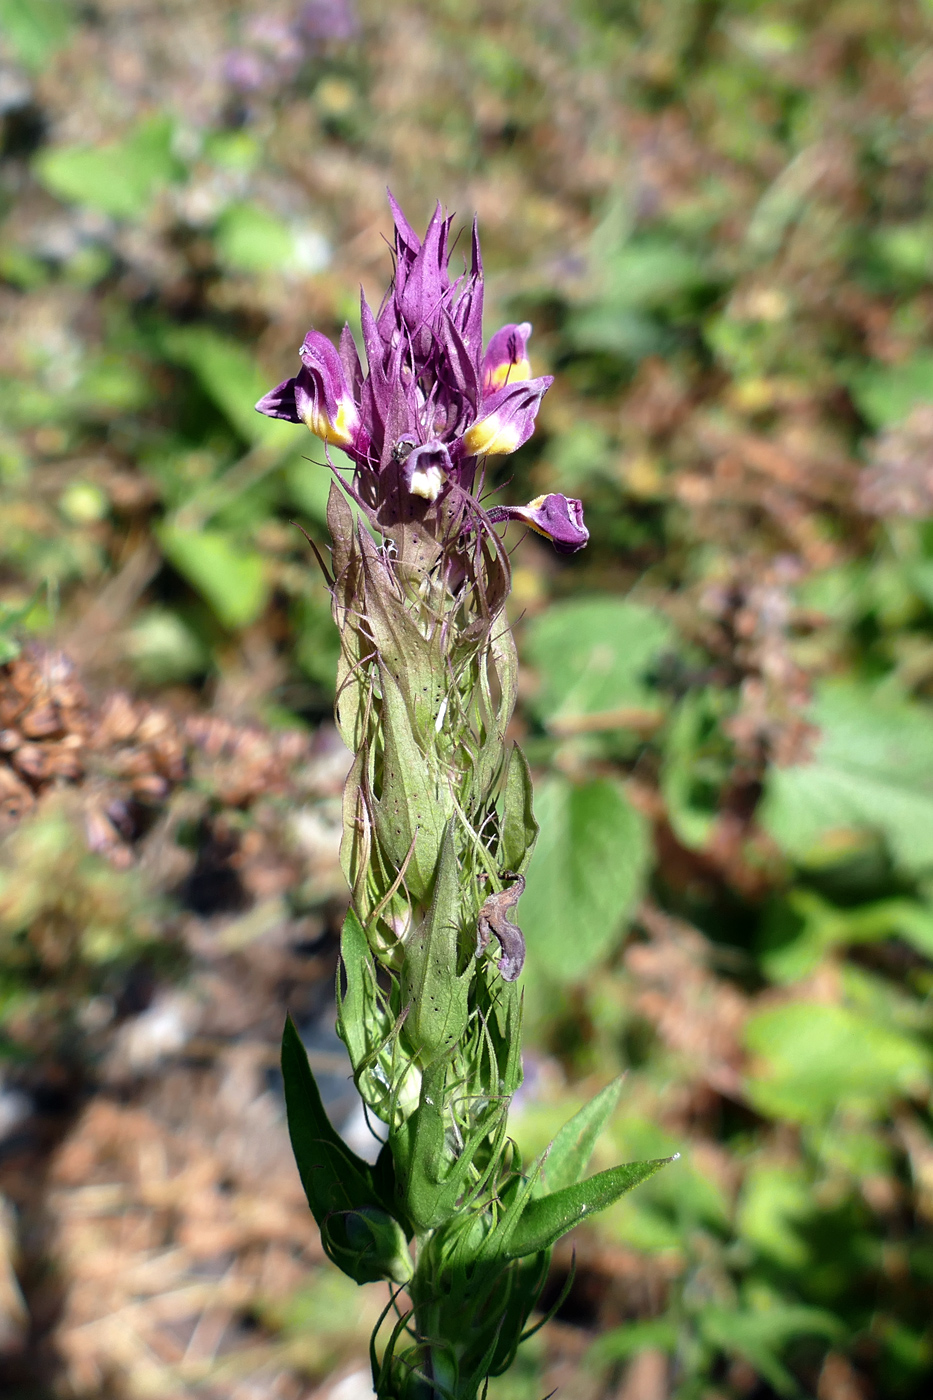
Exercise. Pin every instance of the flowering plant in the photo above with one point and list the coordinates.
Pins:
(438, 832)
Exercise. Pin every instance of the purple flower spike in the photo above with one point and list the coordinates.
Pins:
(558, 517)
(506, 359)
(508, 418)
(429, 403)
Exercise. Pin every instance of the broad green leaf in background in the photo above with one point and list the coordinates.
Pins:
(639, 284)
(620, 1343)
(775, 1197)
(111, 385)
(885, 394)
(163, 648)
(815, 1058)
(758, 1336)
(251, 239)
(231, 579)
(872, 770)
(593, 657)
(823, 927)
(35, 29)
(694, 765)
(120, 178)
(647, 273)
(586, 874)
(580, 454)
(308, 479)
(231, 377)
(906, 250)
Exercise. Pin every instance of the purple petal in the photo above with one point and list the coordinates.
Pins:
(558, 517)
(350, 359)
(506, 358)
(507, 418)
(280, 402)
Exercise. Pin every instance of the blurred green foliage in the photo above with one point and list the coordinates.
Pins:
(718, 217)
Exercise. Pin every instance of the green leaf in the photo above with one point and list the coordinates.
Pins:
(251, 239)
(308, 482)
(519, 828)
(436, 997)
(587, 873)
(656, 1333)
(758, 1336)
(357, 1229)
(823, 926)
(569, 1154)
(35, 29)
(411, 814)
(432, 1180)
(121, 178)
(872, 770)
(593, 656)
(315, 1141)
(351, 1004)
(885, 394)
(815, 1058)
(695, 767)
(163, 648)
(231, 579)
(231, 377)
(546, 1218)
(776, 1196)
(416, 664)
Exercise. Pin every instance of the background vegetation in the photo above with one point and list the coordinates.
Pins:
(718, 214)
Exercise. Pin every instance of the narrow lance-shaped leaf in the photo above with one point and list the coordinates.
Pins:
(519, 828)
(357, 1229)
(432, 1181)
(569, 1154)
(546, 1218)
(436, 997)
(411, 810)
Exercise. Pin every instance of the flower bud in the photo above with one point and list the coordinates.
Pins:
(559, 518)
(506, 359)
(368, 1244)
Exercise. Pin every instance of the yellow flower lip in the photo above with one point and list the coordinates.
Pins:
(340, 432)
(507, 373)
(492, 436)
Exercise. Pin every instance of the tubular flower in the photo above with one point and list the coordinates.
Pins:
(508, 418)
(430, 402)
(319, 396)
(558, 517)
(427, 470)
(506, 358)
